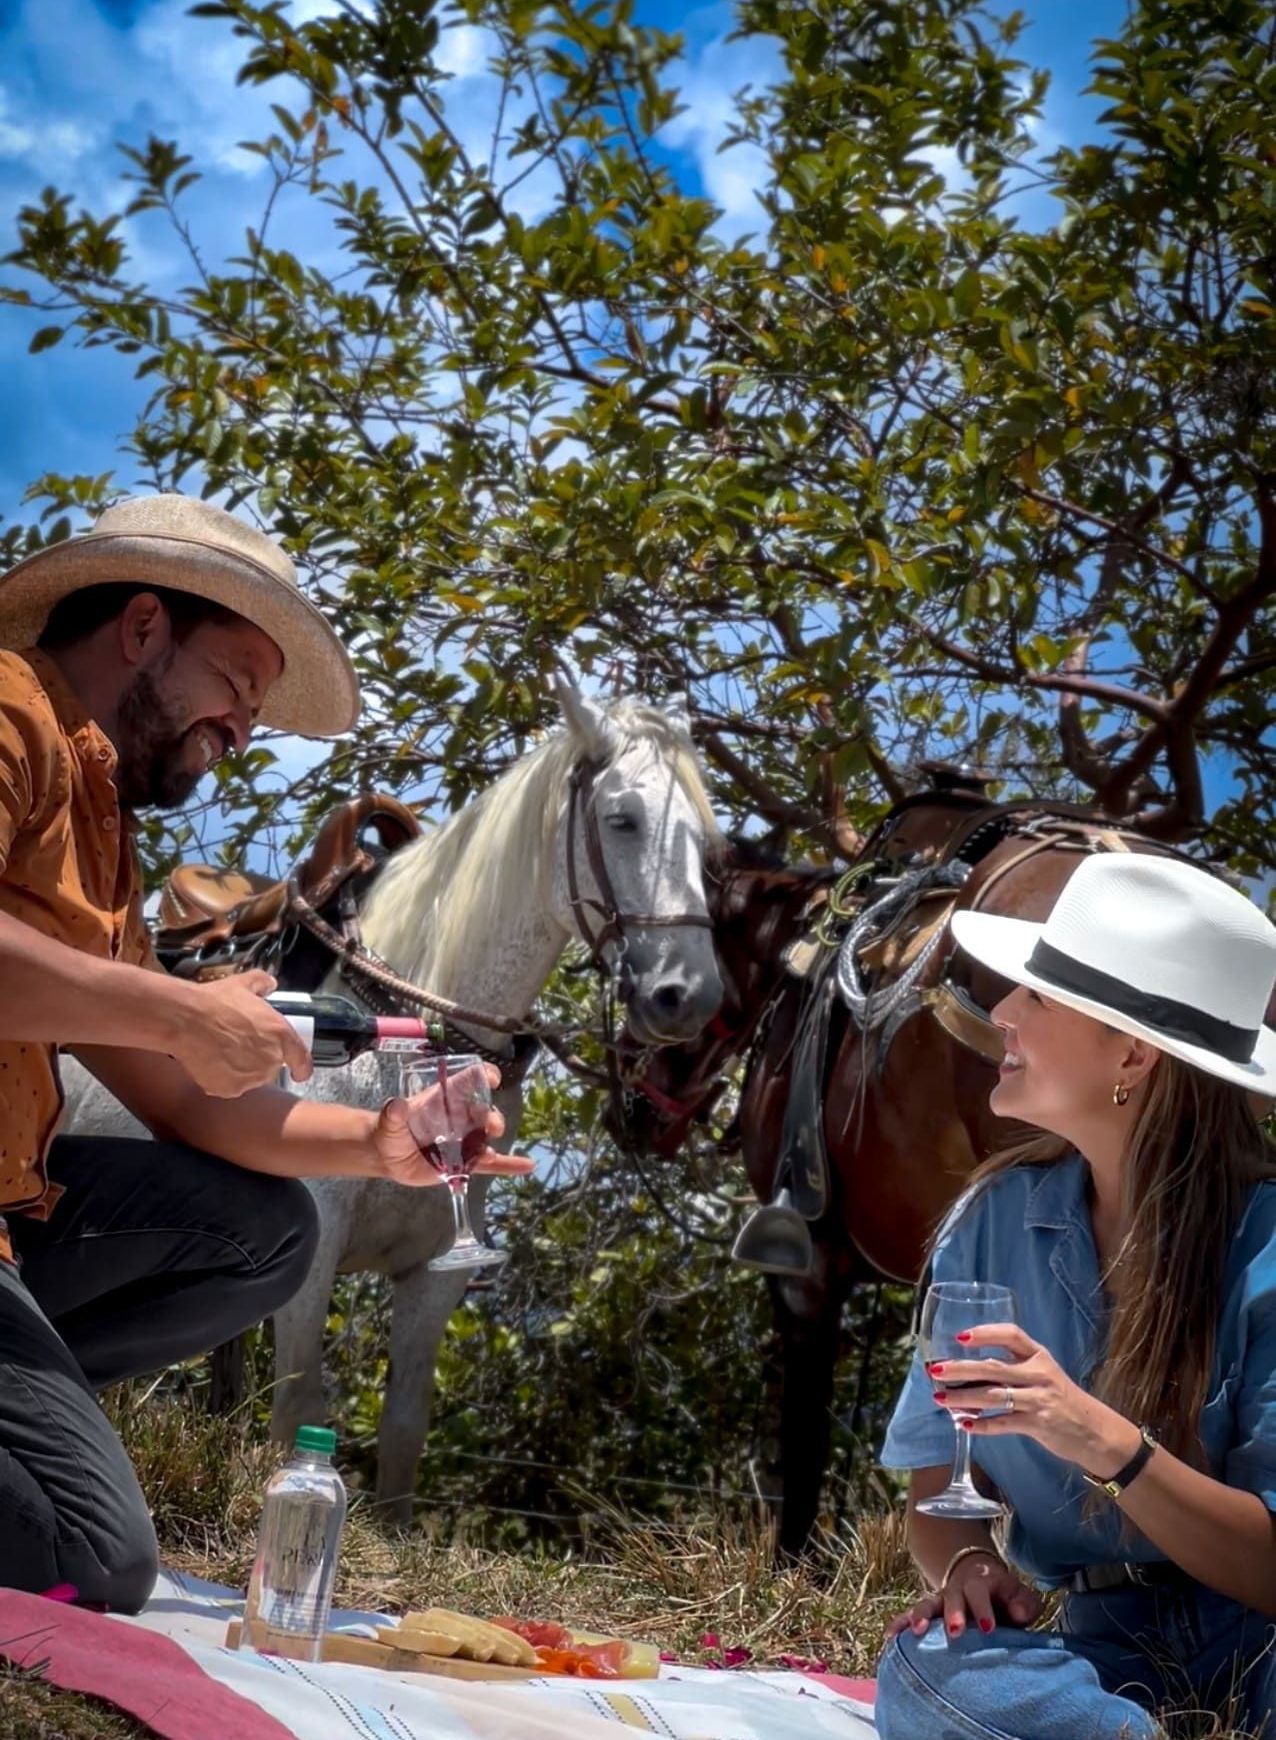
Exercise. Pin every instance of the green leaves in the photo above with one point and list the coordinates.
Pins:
(867, 485)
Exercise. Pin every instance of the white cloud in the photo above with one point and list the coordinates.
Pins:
(708, 80)
(195, 64)
(170, 74)
(49, 143)
(464, 50)
(15, 142)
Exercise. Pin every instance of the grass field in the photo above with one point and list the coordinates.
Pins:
(673, 1585)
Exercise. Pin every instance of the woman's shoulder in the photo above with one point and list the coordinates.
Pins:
(1255, 1238)
(1007, 1198)
(1251, 1261)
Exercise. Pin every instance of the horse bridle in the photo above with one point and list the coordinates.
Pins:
(582, 817)
(607, 924)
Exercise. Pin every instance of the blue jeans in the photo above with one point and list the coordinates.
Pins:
(1114, 1658)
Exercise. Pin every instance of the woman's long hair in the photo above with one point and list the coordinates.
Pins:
(1195, 1153)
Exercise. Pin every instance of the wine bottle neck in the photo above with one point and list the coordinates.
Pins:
(400, 1027)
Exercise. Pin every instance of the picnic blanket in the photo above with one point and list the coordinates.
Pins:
(168, 1666)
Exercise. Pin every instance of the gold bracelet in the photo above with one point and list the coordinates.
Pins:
(989, 1552)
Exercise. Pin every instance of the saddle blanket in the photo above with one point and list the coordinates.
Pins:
(168, 1667)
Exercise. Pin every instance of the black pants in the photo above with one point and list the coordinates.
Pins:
(155, 1253)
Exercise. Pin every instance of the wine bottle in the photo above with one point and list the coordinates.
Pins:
(337, 1030)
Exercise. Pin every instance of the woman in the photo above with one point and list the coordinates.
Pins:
(1138, 1234)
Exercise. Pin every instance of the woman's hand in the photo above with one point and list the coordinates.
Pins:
(1034, 1396)
(980, 1589)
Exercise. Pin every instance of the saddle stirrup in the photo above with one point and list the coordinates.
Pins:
(776, 1239)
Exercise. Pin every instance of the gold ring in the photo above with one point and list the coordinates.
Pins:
(1010, 1400)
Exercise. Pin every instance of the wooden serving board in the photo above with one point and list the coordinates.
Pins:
(344, 1646)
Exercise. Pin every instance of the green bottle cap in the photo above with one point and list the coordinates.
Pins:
(320, 1438)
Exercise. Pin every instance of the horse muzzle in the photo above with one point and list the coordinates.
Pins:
(669, 1008)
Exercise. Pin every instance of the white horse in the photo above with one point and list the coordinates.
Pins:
(479, 911)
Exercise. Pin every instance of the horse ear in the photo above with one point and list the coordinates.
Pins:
(679, 718)
(586, 721)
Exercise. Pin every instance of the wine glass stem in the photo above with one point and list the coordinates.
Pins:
(458, 1188)
(961, 1475)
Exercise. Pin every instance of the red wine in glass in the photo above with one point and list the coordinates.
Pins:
(449, 1097)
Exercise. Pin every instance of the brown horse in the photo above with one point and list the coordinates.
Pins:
(904, 1119)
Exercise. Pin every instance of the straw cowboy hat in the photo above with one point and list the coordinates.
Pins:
(191, 546)
(1154, 947)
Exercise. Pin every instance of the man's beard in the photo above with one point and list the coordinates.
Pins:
(151, 742)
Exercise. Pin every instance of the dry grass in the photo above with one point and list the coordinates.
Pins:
(32, 1710)
(668, 1584)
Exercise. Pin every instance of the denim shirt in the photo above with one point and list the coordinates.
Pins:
(1029, 1229)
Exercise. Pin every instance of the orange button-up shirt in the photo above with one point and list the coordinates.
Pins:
(68, 868)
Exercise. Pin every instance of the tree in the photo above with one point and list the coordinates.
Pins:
(897, 473)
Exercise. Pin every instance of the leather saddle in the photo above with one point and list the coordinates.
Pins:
(209, 917)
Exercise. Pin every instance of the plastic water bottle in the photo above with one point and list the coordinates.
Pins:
(290, 1591)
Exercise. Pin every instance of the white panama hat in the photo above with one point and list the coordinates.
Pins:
(187, 544)
(1155, 947)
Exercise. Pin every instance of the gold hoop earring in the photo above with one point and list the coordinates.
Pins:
(1120, 1094)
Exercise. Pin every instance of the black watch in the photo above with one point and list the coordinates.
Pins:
(1115, 1486)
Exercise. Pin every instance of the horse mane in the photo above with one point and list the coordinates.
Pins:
(437, 894)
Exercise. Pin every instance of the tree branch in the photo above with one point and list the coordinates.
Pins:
(767, 801)
(1175, 731)
(1125, 533)
(1015, 677)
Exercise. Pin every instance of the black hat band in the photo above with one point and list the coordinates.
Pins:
(1175, 1020)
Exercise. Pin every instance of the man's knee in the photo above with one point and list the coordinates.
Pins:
(286, 1227)
(128, 1572)
(97, 1539)
(116, 1556)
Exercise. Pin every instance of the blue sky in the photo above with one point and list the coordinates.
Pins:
(80, 77)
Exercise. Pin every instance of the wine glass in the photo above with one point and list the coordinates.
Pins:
(951, 1306)
(451, 1140)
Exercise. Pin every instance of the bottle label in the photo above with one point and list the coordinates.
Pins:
(304, 1027)
(296, 1564)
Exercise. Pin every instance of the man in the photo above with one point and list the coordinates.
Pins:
(131, 660)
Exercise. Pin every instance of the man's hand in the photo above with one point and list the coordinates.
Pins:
(399, 1156)
(230, 1040)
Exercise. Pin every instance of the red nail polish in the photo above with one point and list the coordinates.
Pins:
(985, 1625)
(963, 1335)
(941, 1395)
(936, 1368)
(954, 1627)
